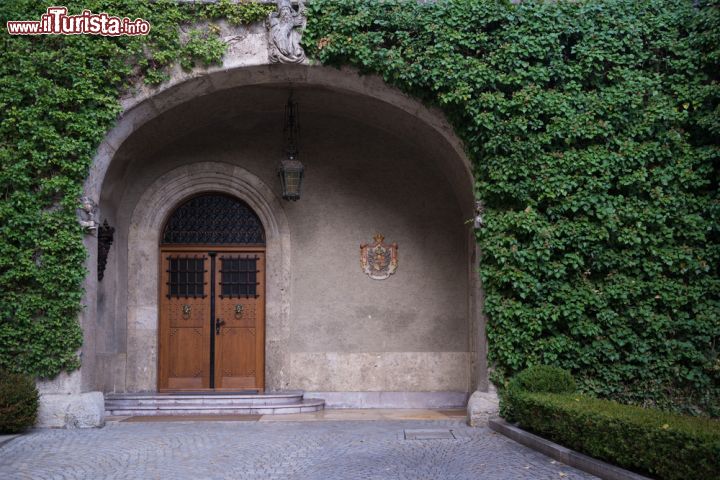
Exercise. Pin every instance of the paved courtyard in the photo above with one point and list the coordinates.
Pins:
(329, 449)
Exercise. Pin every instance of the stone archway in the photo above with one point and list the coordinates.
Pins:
(407, 119)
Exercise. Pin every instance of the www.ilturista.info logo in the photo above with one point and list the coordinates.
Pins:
(57, 22)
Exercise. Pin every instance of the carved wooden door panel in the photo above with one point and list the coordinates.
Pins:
(212, 319)
(184, 327)
(240, 321)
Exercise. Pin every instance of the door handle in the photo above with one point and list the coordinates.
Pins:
(218, 323)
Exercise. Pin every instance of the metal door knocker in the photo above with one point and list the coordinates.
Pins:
(238, 311)
(186, 309)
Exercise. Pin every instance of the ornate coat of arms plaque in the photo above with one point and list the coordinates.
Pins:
(379, 260)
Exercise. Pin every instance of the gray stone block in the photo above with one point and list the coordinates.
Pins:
(481, 407)
(77, 410)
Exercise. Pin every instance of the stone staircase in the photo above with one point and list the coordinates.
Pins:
(136, 404)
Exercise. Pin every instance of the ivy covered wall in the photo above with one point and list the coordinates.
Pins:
(593, 127)
(58, 99)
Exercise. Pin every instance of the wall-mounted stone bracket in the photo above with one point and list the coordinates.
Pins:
(86, 213)
(478, 221)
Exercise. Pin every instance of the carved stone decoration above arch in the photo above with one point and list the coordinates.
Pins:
(155, 206)
(285, 28)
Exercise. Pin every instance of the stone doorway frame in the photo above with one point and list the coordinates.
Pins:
(155, 206)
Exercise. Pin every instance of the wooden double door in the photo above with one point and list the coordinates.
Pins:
(212, 319)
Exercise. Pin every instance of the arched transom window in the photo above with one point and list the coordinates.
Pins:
(214, 219)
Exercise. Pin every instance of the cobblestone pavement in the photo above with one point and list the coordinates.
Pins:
(274, 450)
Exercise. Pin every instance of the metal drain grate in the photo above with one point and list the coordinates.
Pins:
(429, 434)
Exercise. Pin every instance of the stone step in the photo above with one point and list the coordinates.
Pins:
(306, 405)
(133, 400)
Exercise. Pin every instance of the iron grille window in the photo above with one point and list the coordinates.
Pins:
(214, 219)
(238, 276)
(187, 277)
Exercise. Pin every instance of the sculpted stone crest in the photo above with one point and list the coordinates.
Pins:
(379, 260)
(286, 26)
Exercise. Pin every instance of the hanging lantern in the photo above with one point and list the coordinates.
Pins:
(291, 177)
(290, 169)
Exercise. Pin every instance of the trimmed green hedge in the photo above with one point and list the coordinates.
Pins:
(662, 444)
(18, 402)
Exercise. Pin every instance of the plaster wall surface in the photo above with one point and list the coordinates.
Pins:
(369, 169)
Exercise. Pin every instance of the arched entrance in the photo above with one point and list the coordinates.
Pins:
(378, 162)
(373, 166)
(212, 296)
